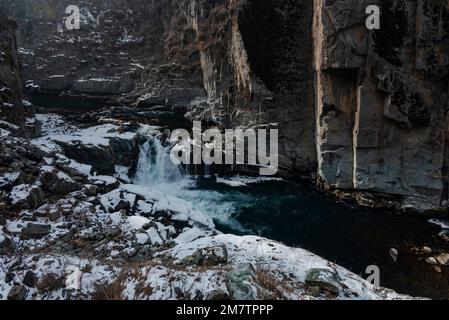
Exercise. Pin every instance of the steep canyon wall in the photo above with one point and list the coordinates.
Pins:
(364, 110)
(381, 99)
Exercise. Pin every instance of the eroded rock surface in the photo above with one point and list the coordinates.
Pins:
(381, 99)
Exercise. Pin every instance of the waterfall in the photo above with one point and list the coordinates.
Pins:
(156, 171)
(155, 165)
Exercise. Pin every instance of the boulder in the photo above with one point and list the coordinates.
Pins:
(6, 245)
(27, 196)
(432, 261)
(55, 83)
(57, 182)
(242, 283)
(35, 231)
(443, 259)
(326, 279)
(118, 200)
(29, 279)
(17, 292)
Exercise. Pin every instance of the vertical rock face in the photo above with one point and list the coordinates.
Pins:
(11, 109)
(256, 61)
(381, 98)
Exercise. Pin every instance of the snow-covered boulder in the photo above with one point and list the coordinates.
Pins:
(57, 182)
(27, 196)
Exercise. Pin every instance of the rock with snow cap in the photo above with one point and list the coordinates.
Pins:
(57, 182)
(325, 279)
(27, 196)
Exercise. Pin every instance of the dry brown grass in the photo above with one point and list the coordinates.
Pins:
(113, 290)
(274, 286)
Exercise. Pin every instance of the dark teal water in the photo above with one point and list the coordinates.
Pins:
(299, 215)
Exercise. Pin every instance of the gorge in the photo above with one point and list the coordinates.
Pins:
(362, 120)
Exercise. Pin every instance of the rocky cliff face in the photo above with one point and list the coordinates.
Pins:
(256, 61)
(366, 110)
(381, 99)
(376, 99)
(108, 55)
(11, 109)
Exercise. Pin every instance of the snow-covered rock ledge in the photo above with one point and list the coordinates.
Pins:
(219, 267)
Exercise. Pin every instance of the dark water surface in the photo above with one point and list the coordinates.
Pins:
(355, 238)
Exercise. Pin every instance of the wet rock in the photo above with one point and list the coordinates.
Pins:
(29, 279)
(426, 250)
(35, 231)
(59, 83)
(432, 261)
(17, 292)
(326, 279)
(103, 158)
(394, 254)
(242, 283)
(443, 259)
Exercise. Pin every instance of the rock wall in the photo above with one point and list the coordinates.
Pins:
(381, 99)
(11, 109)
(256, 61)
(106, 56)
(365, 110)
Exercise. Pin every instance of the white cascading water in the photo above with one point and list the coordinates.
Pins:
(156, 171)
(155, 165)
